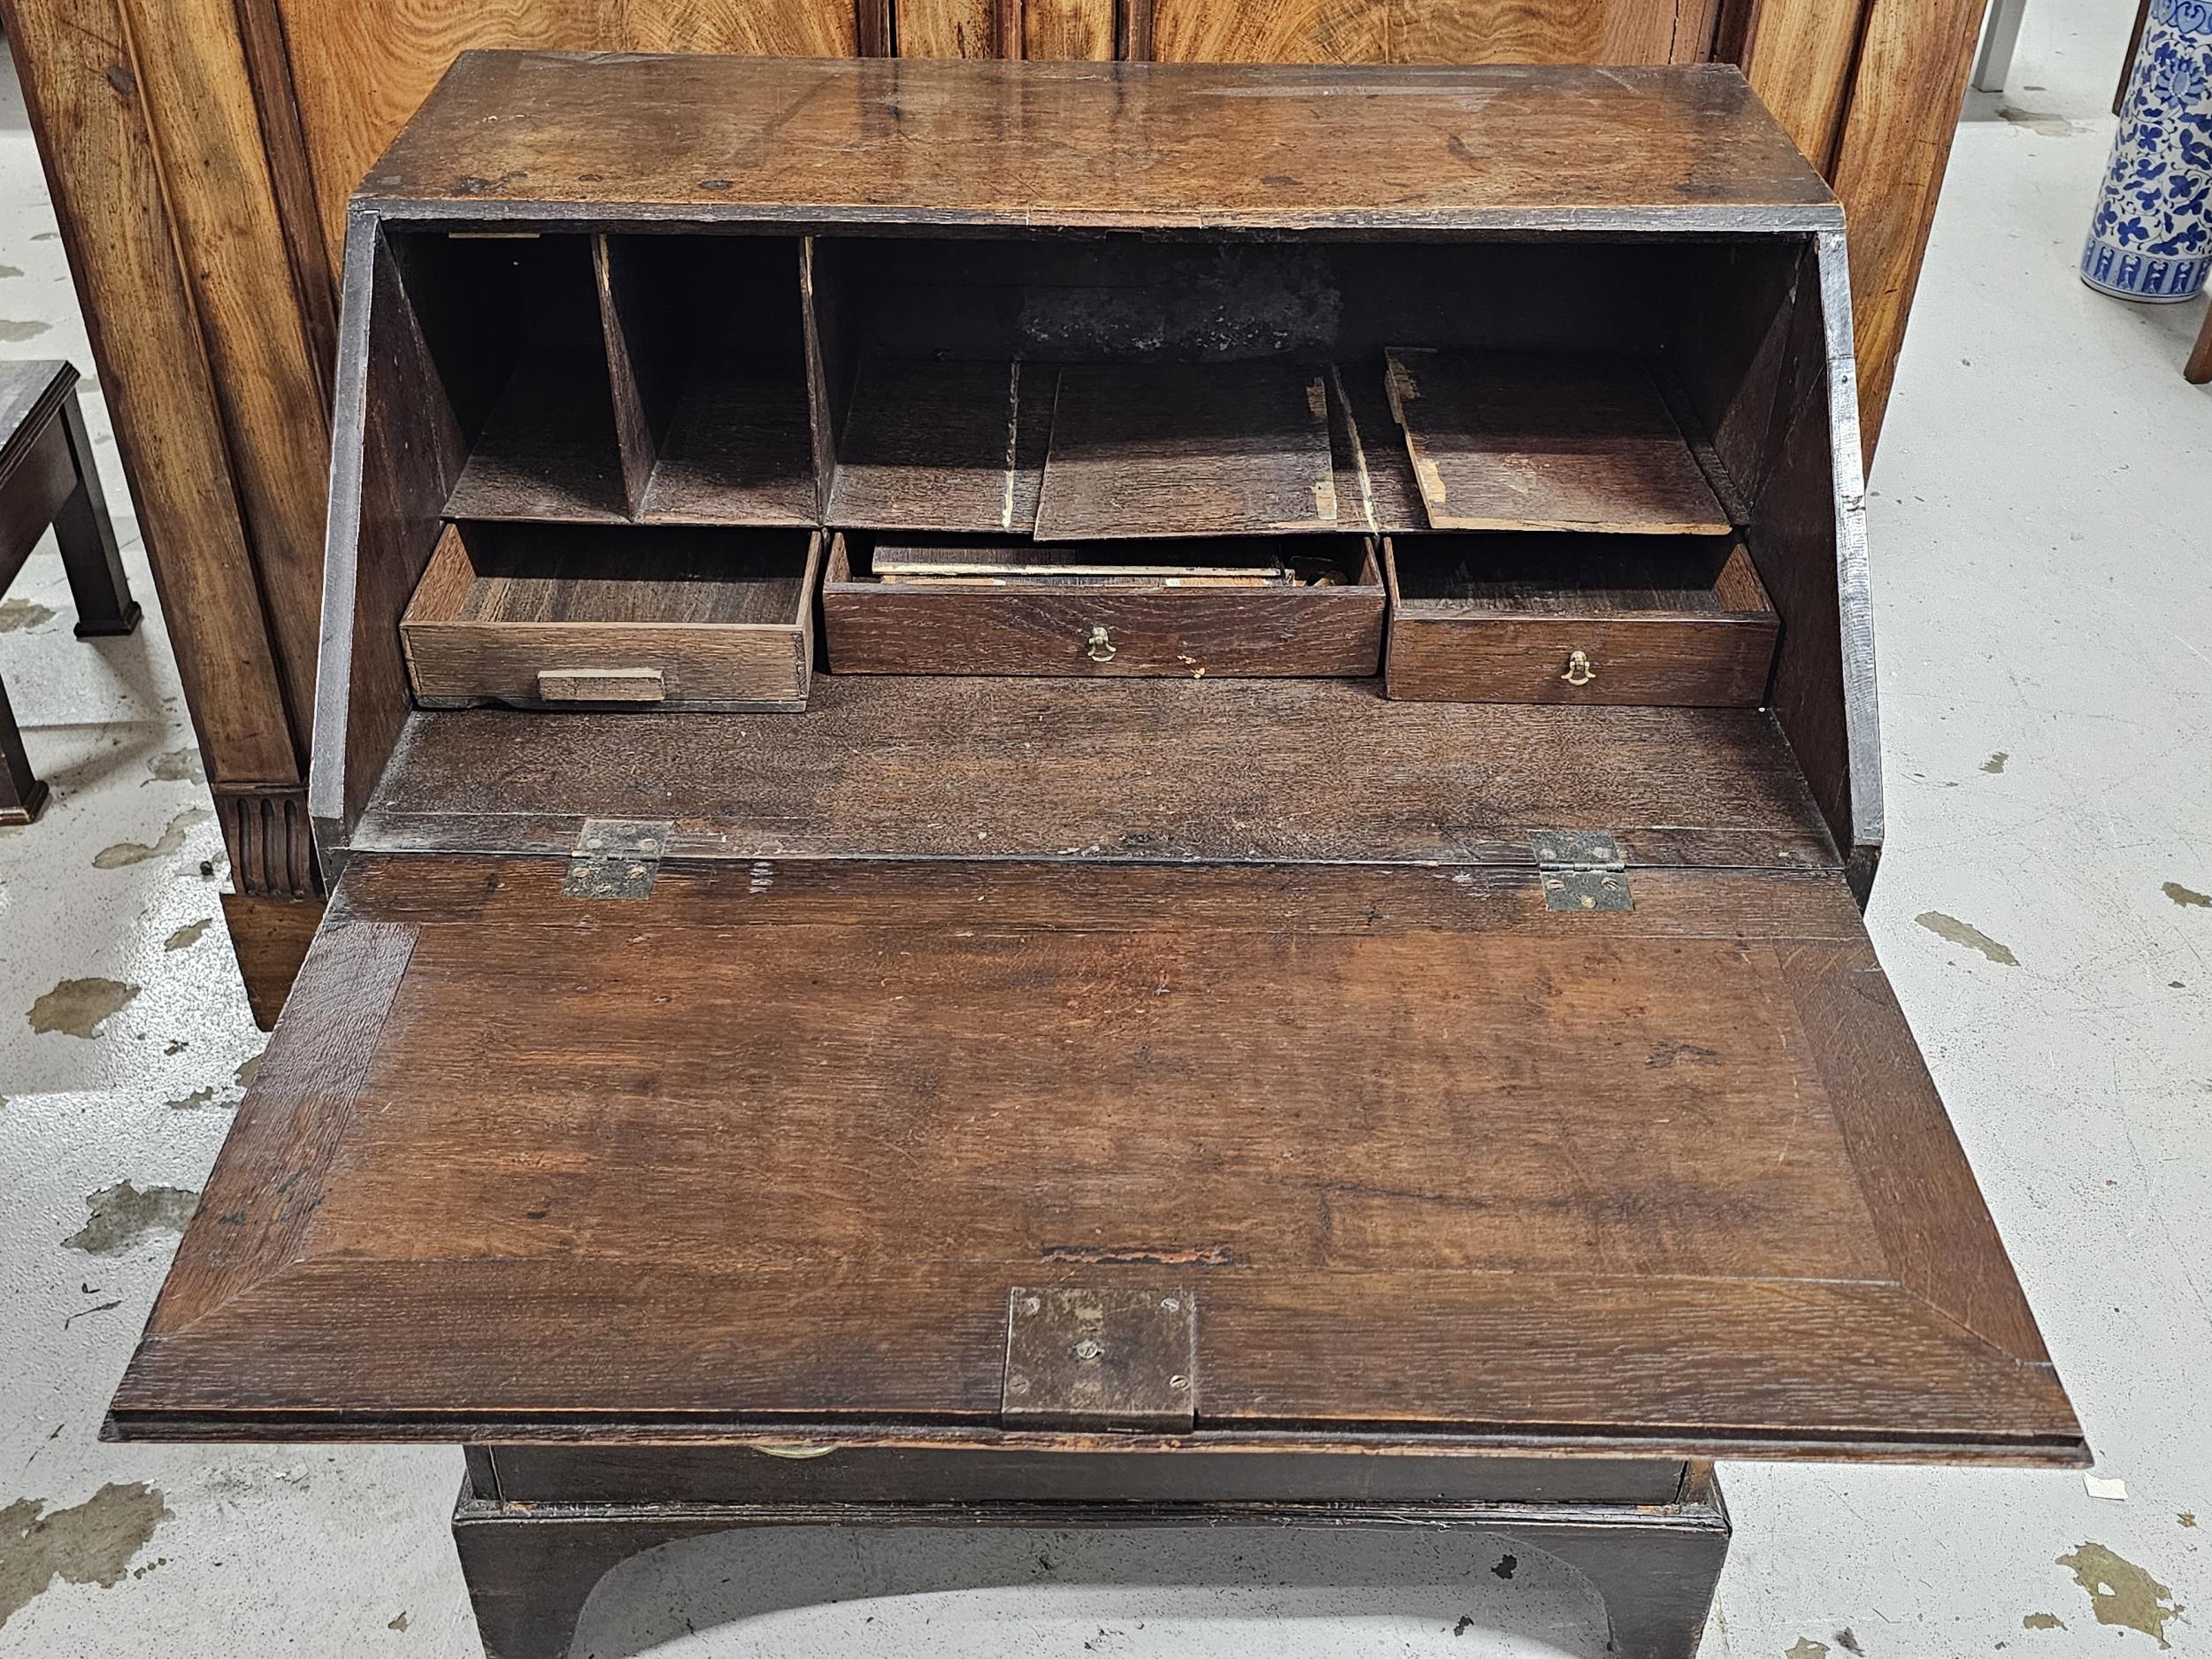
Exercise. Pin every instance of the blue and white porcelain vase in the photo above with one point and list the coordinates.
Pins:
(2151, 238)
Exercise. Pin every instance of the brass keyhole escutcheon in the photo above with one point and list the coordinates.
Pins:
(1102, 648)
(1578, 669)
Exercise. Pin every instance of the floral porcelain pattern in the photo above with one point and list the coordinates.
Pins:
(2151, 237)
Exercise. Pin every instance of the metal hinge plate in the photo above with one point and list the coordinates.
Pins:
(1581, 870)
(1087, 1359)
(616, 857)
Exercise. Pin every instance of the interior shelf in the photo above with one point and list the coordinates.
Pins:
(1187, 449)
(1546, 441)
(955, 445)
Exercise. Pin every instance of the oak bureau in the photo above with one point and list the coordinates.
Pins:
(1091, 793)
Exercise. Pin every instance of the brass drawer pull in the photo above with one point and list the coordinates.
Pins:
(1578, 669)
(1101, 647)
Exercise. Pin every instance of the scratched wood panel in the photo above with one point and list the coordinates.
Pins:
(1476, 1154)
(361, 67)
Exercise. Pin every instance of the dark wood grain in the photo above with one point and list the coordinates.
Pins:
(1154, 771)
(1497, 619)
(1134, 145)
(1165, 449)
(1526, 441)
(1043, 627)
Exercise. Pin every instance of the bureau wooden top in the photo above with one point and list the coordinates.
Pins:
(855, 143)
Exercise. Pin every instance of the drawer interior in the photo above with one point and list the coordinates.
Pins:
(556, 612)
(1556, 574)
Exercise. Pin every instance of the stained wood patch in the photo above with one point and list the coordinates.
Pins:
(1152, 450)
(1536, 440)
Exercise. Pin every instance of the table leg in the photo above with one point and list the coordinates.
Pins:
(86, 535)
(22, 793)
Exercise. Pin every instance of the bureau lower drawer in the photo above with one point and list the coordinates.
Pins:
(554, 615)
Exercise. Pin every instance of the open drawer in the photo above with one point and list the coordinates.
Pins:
(718, 1135)
(557, 615)
(1578, 618)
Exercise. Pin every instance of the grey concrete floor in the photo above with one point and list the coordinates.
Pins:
(2042, 541)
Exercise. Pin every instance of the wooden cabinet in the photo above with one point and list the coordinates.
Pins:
(1032, 1051)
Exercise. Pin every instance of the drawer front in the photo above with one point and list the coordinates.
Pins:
(558, 665)
(1697, 662)
(1313, 633)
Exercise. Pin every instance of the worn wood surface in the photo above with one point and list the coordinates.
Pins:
(1683, 622)
(1164, 770)
(722, 620)
(400, 447)
(270, 937)
(1135, 145)
(1529, 441)
(1038, 627)
(1889, 166)
(1124, 1082)
(98, 150)
(220, 194)
(1799, 56)
(1166, 449)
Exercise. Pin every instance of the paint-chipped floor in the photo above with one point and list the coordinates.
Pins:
(2042, 530)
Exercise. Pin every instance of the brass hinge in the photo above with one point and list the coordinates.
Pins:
(1581, 870)
(1087, 1359)
(616, 857)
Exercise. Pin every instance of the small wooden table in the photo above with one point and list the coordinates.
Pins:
(47, 477)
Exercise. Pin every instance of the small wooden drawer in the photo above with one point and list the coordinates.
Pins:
(1105, 609)
(544, 616)
(1509, 617)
